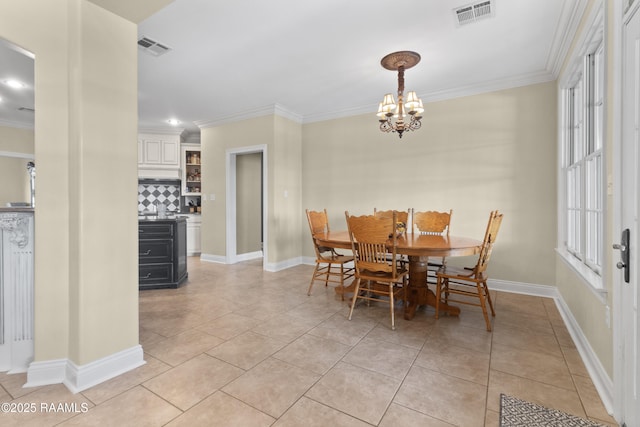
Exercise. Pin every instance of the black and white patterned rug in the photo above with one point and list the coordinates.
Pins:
(515, 412)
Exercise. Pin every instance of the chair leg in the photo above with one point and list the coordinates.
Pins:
(393, 321)
(313, 278)
(326, 277)
(483, 305)
(355, 297)
(486, 291)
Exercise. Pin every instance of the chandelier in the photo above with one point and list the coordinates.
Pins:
(388, 109)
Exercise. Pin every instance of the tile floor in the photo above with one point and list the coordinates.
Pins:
(237, 346)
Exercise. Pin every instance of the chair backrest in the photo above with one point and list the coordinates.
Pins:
(431, 222)
(370, 236)
(318, 223)
(490, 235)
(401, 216)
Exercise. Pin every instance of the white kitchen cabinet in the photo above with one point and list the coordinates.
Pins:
(194, 246)
(158, 156)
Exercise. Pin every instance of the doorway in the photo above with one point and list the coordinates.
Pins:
(246, 204)
(627, 335)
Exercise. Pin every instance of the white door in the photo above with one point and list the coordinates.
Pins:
(630, 209)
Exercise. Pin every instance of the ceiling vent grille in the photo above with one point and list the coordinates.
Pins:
(473, 12)
(152, 47)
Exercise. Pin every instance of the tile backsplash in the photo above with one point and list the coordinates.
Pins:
(150, 192)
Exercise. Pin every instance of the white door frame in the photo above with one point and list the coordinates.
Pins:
(619, 340)
(231, 155)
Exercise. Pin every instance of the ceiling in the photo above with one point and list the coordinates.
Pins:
(320, 60)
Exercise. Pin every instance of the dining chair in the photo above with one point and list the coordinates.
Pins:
(470, 281)
(330, 265)
(432, 223)
(383, 276)
(401, 216)
(401, 223)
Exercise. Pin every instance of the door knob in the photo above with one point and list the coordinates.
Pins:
(620, 265)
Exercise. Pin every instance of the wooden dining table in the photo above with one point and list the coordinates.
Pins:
(418, 247)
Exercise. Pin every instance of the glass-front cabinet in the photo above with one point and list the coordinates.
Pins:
(192, 171)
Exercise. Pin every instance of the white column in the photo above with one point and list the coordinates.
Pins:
(16, 291)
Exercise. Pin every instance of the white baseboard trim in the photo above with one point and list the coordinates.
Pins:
(598, 375)
(219, 259)
(308, 260)
(600, 378)
(249, 256)
(283, 265)
(79, 378)
(268, 266)
(523, 288)
(46, 372)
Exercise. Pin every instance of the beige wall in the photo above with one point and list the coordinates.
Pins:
(249, 210)
(472, 155)
(13, 170)
(283, 168)
(85, 129)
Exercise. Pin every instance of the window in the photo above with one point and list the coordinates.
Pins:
(582, 164)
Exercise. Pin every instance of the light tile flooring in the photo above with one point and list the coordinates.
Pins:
(237, 346)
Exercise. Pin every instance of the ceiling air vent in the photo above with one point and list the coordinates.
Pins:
(473, 12)
(152, 47)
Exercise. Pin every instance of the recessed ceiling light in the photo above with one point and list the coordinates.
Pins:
(173, 122)
(15, 84)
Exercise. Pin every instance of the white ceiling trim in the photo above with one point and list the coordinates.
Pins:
(161, 130)
(572, 14)
(459, 92)
(18, 125)
(274, 109)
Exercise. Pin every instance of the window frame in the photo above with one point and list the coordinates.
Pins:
(582, 165)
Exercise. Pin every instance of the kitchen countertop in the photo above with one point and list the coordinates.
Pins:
(4, 209)
(152, 218)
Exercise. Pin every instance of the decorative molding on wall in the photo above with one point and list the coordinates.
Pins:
(16, 291)
(17, 225)
(274, 109)
(79, 378)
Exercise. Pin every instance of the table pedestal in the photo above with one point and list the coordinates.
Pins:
(418, 292)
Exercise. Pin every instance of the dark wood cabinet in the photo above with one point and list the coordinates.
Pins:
(162, 253)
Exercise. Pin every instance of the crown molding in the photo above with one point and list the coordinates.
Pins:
(161, 131)
(275, 109)
(442, 95)
(570, 18)
(17, 125)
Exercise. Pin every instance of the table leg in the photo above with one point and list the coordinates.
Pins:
(419, 293)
